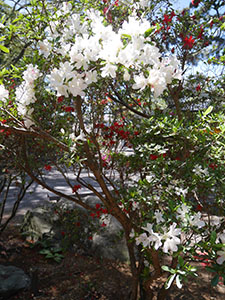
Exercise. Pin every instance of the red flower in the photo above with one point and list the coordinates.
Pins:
(198, 88)
(168, 18)
(103, 224)
(97, 206)
(60, 99)
(3, 121)
(63, 233)
(195, 3)
(76, 187)
(90, 238)
(68, 108)
(153, 156)
(213, 166)
(199, 207)
(48, 167)
(177, 158)
(188, 42)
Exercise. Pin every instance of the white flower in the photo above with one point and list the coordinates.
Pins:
(110, 48)
(153, 236)
(25, 94)
(196, 220)
(2, 25)
(150, 177)
(148, 228)
(31, 74)
(76, 86)
(159, 217)
(109, 70)
(134, 26)
(199, 171)
(126, 75)
(4, 94)
(45, 48)
(143, 3)
(81, 61)
(215, 221)
(182, 211)
(91, 77)
(157, 81)
(81, 137)
(171, 239)
(140, 82)
(221, 236)
(221, 257)
(66, 7)
(143, 239)
(181, 191)
(135, 205)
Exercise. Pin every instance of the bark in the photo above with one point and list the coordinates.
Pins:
(175, 94)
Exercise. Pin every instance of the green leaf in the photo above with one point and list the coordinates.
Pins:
(126, 36)
(4, 49)
(167, 269)
(208, 111)
(149, 31)
(170, 281)
(209, 269)
(213, 237)
(215, 280)
(178, 282)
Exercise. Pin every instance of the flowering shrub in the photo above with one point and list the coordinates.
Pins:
(103, 93)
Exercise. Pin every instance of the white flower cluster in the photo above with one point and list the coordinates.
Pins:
(170, 238)
(199, 171)
(95, 43)
(194, 220)
(25, 94)
(4, 94)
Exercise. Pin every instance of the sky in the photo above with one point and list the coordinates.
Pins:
(178, 4)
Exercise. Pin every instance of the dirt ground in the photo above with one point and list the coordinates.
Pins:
(83, 277)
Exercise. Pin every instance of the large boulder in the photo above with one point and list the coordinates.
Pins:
(108, 242)
(12, 280)
(38, 222)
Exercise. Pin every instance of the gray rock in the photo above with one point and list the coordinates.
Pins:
(108, 242)
(38, 222)
(12, 280)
